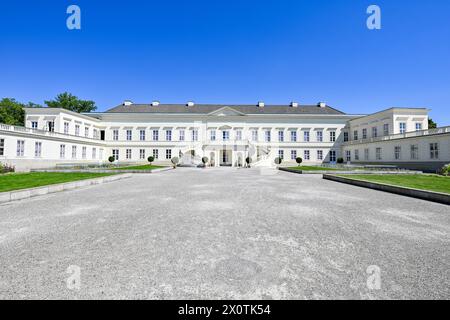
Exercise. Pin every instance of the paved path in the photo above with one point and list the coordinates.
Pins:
(224, 233)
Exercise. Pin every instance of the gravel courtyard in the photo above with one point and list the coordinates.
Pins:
(224, 234)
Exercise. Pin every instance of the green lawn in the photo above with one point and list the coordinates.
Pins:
(17, 181)
(313, 168)
(140, 167)
(423, 182)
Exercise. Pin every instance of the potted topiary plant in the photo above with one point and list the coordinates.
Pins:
(151, 159)
(205, 161)
(175, 161)
(278, 160)
(248, 161)
(111, 159)
(299, 161)
(340, 160)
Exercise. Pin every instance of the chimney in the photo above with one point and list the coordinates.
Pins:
(322, 104)
(190, 104)
(294, 104)
(155, 103)
(127, 103)
(261, 104)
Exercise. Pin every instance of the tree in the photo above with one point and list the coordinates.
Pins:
(111, 159)
(151, 159)
(278, 160)
(11, 112)
(70, 102)
(298, 160)
(431, 124)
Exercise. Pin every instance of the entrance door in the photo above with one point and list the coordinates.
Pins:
(225, 158)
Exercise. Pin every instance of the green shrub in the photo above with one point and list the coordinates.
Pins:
(445, 171)
(111, 159)
(278, 160)
(340, 160)
(298, 160)
(6, 168)
(151, 159)
(205, 160)
(248, 160)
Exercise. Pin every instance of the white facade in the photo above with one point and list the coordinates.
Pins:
(227, 135)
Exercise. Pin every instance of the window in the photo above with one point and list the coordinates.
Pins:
(212, 135)
(332, 136)
(194, 135)
(397, 152)
(128, 154)
(181, 135)
(267, 136)
(115, 153)
(66, 128)
(414, 152)
(366, 154)
(77, 129)
(280, 136)
(281, 154)
(168, 135)
(348, 155)
(293, 154)
(332, 156)
(402, 127)
(142, 135)
(94, 153)
(306, 136)
(374, 132)
(378, 154)
(306, 155)
(386, 129)
(51, 126)
(129, 135)
(155, 153)
(345, 136)
(115, 135)
(95, 134)
(319, 135)
(38, 149)
(155, 135)
(86, 132)
(319, 155)
(34, 124)
(2, 147)
(364, 134)
(74, 152)
(142, 154)
(83, 152)
(434, 151)
(255, 135)
(293, 136)
(355, 135)
(356, 155)
(168, 154)
(62, 151)
(239, 135)
(418, 126)
(225, 135)
(20, 148)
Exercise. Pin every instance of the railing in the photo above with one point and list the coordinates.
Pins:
(7, 127)
(412, 134)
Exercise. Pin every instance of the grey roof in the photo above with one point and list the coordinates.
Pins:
(208, 108)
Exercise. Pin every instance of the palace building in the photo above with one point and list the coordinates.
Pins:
(225, 134)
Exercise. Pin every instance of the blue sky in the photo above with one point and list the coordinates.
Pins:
(230, 52)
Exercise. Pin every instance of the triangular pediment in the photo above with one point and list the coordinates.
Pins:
(226, 112)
